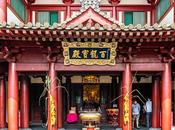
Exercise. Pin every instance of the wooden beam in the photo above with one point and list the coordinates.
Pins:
(147, 67)
(61, 67)
(153, 33)
(54, 33)
(115, 34)
(24, 32)
(32, 67)
(145, 33)
(85, 68)
(123, 34)
(92, 34)
(138, 34)
(47, 33)
(130, 34)
(77, 33)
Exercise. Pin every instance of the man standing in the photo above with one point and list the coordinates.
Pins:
(136, 113)
(148, 109)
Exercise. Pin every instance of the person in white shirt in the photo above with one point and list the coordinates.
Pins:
(148, 109)
(136, 113)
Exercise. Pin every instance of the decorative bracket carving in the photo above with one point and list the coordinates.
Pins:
(52, 54)
(166, 54)
(31, 1)
(68, 1)
(9, 54)
(114, 1)
(151, 1)
(127, 54)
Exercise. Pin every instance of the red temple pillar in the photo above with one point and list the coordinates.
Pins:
(119, 102)
(2, 103)
(119, 94)
(127, 98)
(3, 10)
(12, 97)
(24, 103)
(60, 111)
(156, 102)
(53, 93)
(166, 97)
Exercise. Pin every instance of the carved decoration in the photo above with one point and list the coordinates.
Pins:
(10, 54)
(151, 1)
(68, 1)
(89, 53)
(85, 4)
(114, 1)
(127, 54)
(91, 79)
(52, 54)
(166, 54)
(31, 1)
(126, 109)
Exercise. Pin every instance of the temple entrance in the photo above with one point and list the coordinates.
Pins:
(38, 112)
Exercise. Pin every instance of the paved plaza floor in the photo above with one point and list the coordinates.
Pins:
(79, 127)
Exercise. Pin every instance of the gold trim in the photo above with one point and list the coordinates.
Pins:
(126, 109)
(91, 79)
(111, 61)
(52, 111)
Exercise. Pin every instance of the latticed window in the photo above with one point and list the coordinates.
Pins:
(50, 17)
(19, 8)
(162, 7)
(135, 18)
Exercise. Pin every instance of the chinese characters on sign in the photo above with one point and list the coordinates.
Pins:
(91, 79)
(89, 53)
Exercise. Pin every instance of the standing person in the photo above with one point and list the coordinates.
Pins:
(148, 109)
(136, 113)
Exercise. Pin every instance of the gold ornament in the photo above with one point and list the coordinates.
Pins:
(52, 111)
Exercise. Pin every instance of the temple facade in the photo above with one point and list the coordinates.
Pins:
(57, 56)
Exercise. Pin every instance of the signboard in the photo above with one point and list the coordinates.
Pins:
(89, 53)
(91, 79)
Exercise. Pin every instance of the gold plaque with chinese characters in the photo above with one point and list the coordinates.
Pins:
(89, 53)
(91, 79)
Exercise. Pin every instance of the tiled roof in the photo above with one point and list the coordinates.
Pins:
(63, 26)
(89, 14)
(46, 32)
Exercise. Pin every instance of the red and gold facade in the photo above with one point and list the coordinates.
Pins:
(35, 48)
